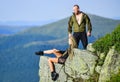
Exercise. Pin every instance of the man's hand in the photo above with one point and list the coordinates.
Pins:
(70, 35)
(88, 34)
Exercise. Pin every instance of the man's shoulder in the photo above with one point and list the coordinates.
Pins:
(83, 13)
(72, 16)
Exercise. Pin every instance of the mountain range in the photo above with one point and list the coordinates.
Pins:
(12, 27)
(18, 61)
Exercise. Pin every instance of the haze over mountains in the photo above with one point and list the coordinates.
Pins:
(12, 27)
(98, 23)
(19, 63)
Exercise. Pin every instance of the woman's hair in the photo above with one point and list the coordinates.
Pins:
(72, 46)
(73, 42)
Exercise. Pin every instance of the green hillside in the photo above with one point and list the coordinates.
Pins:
(105, 43)
(58, 29)
(7, 29)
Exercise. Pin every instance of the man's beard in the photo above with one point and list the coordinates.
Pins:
(77, 13)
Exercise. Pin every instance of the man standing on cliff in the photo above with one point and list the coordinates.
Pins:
(78, 21)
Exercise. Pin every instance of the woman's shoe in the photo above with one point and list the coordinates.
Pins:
(55, 76)
(39, 53)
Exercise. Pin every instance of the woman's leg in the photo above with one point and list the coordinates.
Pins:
(51, 61)
(50, 51)
(53, 51)
(54, 75)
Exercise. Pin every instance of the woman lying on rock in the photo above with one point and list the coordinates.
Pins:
(60, 58)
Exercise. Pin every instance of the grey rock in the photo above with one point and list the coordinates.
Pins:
(45, 74)
(98, 69)
(90, 48)
(111, 65)
(81, 66)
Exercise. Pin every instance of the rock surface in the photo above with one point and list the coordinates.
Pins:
(82, 66)
(45, 74)
(111, 65)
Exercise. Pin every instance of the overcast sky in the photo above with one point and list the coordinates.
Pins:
(42, 10)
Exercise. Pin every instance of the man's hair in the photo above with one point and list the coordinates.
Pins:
(76, 6)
